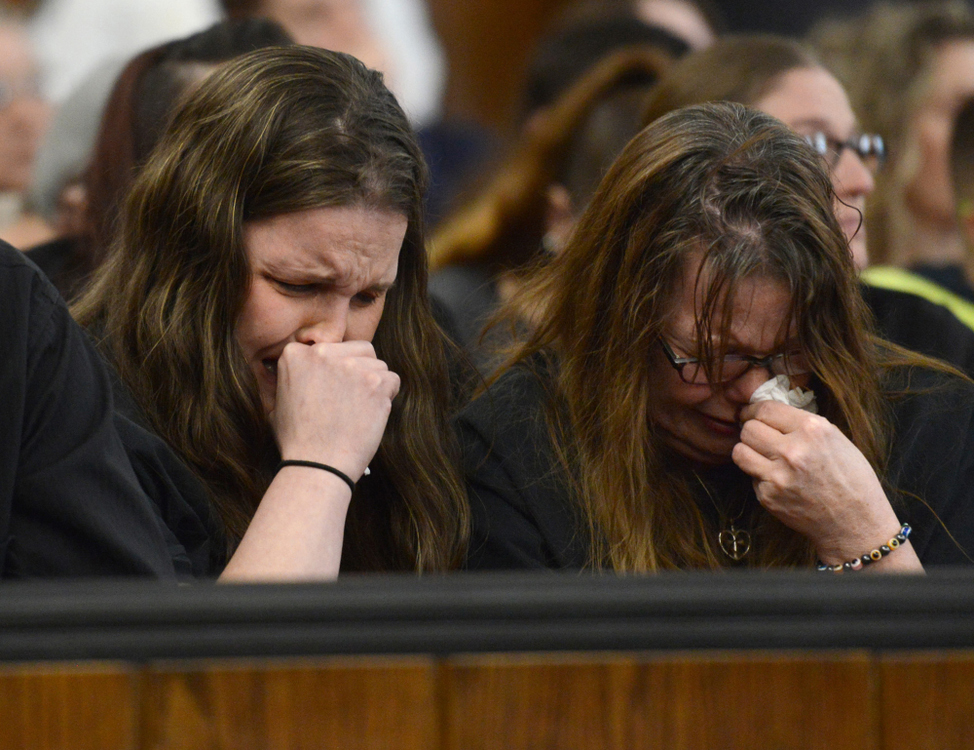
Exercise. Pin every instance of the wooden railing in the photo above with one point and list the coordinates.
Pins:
(465, 662)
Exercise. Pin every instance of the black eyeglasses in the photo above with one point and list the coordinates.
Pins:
(693, 372)
(869, 147)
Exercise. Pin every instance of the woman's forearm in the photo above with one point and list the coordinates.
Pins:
(297, 532)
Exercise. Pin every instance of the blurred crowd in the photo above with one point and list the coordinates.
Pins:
(75, 73)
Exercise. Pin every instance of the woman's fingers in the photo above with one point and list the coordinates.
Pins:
(809, 475)
(752, 462)
(762, 438)
(333, 402)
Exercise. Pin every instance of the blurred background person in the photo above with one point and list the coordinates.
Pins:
(581, 104)
(697, 22)
(528, 207)
(907, 68)
(786, 79)
(138, 109)
(24, 117)
(577, 41)
(395, 37)
(961, 280)
(73, 37)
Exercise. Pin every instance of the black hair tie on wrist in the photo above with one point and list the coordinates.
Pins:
(324, 467)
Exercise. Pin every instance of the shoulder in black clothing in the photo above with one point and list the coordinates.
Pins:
(922, 326)
(950, 277)
(195, 539)
(62, 261)
(520, 510)
(70, 502)
(193, 533)
(932, 465)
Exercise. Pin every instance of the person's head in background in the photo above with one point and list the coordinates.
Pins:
(784, 79)
(554, 167)
(211, 277)
(907, 68)
(23, 113)
(696, 22)
(137, 111)
(577, 43)
(962, 180)
(338, 25)
(580, 107)
(142, 102)
(24, 117)
(567, 52)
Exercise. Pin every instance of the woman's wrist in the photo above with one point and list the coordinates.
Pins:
(347, 463)
(868, 557)
(317, 466)
(856, 535)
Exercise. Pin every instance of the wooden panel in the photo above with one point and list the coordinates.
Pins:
(927, 701)
(60, 706)
(745, 702)
(685, 703)
(487, 45)
(505, 702)
(348, 704)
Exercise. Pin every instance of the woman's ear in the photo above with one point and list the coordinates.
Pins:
(559, 217)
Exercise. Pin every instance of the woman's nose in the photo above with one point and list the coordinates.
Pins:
(327, 326)
(740, 390)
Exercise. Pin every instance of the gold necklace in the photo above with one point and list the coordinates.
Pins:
(733, 542)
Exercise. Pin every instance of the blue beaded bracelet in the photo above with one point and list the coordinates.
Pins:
(875, 555)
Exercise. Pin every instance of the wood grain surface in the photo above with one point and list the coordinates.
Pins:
(685, 703)
(368, 703)
(676, 701)
(927, 701)
(68, 707)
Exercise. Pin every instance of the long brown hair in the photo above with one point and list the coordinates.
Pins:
(273, 132)
(503, 225)
(754, 198)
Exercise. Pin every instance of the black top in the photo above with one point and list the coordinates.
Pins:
(921, 325)
(950, 277)
(70, 502)
(522, 516)
(467, 295)
(63, 262)
(193, 535)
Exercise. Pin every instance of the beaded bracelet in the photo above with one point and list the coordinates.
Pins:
(875, 555)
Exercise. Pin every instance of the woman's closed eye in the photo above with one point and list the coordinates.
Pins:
(368, 297)
(296, 288)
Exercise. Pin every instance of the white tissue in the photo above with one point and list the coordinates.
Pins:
(779, 389)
